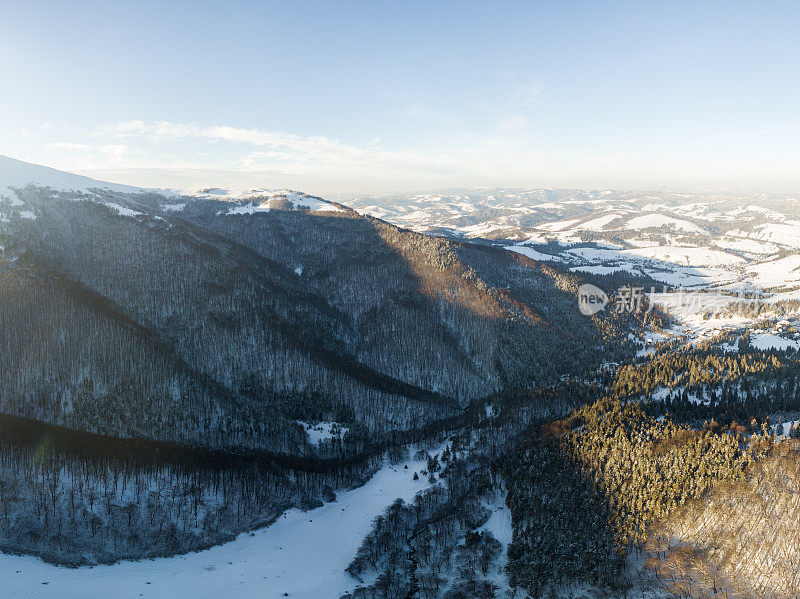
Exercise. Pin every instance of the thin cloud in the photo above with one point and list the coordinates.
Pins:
(273, 146)
(83, 156)
(170, 154)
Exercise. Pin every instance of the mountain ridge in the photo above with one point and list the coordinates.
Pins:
(295, 310)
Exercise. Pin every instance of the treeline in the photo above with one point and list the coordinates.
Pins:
(645, 467)
(434, 547)
(78, 499)
(746, 388)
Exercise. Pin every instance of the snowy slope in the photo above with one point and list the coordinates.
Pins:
(694, 239)
(775, 273)
(15, 173)
(661, 220)
(782, 233)
(599, 223)
(303, 554)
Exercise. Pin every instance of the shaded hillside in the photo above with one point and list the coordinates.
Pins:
(227, 321)
(470, 319)
(71, 359)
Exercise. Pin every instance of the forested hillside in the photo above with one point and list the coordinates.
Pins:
(234, 322)
(620, 497)
(239, 327)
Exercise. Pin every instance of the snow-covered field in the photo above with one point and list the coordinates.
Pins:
(303, 554)
(767, 341)
(776, 273)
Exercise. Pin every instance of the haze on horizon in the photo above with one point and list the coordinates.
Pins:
(359, 97)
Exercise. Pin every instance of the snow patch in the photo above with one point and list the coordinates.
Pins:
(767, 341)
(292, 201)
(122, 210)
(323, 431)
(559, 225)
(533, 254)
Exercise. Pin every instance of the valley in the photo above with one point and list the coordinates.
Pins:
(264, 392)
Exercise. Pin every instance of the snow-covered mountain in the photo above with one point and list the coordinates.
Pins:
(16, 173)
(131, 201)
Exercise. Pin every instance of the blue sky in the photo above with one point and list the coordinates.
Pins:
(338, 97)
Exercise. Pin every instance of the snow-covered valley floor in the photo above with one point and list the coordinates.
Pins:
(303, 554)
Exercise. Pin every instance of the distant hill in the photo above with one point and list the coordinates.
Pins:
(706, 238)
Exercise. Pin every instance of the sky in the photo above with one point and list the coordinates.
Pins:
(363, 97)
